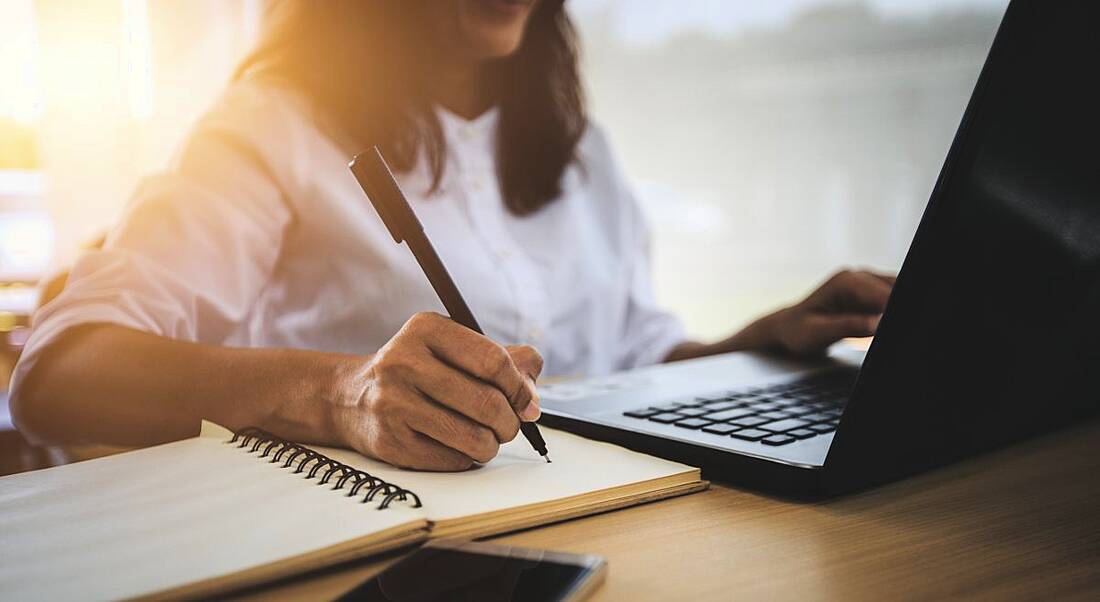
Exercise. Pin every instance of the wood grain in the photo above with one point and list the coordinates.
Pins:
(1022, 523)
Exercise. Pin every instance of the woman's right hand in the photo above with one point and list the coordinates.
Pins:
(438, 396)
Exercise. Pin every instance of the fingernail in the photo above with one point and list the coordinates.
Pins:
(532, 412)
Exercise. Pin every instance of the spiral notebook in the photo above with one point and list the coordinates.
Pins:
(225, 510)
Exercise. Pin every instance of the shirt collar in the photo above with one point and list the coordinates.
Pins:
(480, 128)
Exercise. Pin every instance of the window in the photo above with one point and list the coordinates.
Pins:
(94, 96)
(25, 232)
(773, 142)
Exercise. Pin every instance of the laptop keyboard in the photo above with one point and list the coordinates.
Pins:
(775, 415)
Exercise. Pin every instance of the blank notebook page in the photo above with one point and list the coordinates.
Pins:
(165, 516)
(519, 477)
(202, 511)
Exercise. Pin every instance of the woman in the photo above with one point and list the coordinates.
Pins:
(252, 283)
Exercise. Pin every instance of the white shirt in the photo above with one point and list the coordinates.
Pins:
(259, 235)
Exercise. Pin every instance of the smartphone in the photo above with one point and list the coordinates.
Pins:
(470, 570)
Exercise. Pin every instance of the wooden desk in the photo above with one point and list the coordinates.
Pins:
(1022, 523)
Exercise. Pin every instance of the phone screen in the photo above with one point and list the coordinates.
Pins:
(445, 574)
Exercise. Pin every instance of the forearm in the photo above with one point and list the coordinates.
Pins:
(759, 335)
(112, 385)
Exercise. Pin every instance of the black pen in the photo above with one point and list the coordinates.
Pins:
(378, 183)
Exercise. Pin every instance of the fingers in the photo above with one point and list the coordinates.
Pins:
(849, 291)
(407, 430)
(480, 357)
(472, 398)
(821, 330)
(439, 396)
(890, 279)
(453, 430)
(527, 360)
(415, 450)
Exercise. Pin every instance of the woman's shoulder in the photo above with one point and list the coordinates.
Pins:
(258, 109)
(594, 145)
(601, 191)
(599, 170)
(256, 123)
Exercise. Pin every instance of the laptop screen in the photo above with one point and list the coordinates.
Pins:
(994, 325)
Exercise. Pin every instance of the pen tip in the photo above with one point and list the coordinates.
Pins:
(547, 456)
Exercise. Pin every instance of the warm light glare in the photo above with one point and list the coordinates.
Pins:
(26, 240)
(19, 88)
(139, 72)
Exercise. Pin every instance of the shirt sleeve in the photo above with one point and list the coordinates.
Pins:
(649, 332)
(196, 244)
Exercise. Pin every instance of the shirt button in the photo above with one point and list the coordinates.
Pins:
(503, 254)
(534, 334)
(466, 133)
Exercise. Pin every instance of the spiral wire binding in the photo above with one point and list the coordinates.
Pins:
(319, 466)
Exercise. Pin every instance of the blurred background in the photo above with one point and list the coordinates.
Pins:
(770, 142)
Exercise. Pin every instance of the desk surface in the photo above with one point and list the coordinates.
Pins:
(1017, 524)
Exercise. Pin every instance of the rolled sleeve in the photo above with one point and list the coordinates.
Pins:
(196, 245)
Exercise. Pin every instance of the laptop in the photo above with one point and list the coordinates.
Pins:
(991, 335)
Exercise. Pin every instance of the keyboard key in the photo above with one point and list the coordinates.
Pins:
(717, 406)
(799, 410)
(728, 414)
(774, 415)
(749, 421)
(668, 407)
(778, 440)
(818, 417)
(666, 417)
(802, 433)
(823, 428)
(763, 406)
(721, 428)
(750, 434)
(642, 413)
(691, 411)
(782, 426)
(691, 423)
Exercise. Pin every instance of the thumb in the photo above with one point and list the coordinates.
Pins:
(527, 359)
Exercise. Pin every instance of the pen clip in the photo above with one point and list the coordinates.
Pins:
(377, 181)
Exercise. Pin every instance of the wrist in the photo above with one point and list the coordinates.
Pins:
(310, 391)
(761, 334)
(344, 384)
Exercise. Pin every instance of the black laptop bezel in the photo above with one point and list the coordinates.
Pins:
(886, 432)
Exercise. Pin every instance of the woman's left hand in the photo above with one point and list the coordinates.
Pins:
(848, 304)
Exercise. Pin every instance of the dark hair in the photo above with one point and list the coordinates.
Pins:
(359, 62)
